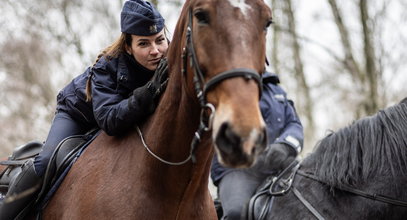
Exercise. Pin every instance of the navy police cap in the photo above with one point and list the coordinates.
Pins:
(140, 17)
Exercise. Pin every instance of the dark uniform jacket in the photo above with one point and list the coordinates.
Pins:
(113, 81)
(283, 124)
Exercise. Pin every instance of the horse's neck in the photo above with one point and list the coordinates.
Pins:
(172, 127)
(176, 117)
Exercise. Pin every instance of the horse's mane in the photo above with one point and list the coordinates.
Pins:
(372, 146)
(178, 37)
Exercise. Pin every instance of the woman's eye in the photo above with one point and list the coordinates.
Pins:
(160, 40)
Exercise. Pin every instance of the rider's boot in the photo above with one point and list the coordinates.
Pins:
(21, 192)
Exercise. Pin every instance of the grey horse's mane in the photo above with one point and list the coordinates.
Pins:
(369, 147)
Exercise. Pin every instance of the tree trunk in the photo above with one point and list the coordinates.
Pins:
(307, 103)
(275, 61)
(371, 100)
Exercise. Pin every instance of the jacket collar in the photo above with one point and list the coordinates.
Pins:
(269, 77)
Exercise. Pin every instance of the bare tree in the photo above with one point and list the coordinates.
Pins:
(47, 47)
(285, 40)
(307, 102)
(366, 72)
(276, 34)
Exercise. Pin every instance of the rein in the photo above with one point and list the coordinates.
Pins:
(358, 192)
(201, 89)
(287, 184)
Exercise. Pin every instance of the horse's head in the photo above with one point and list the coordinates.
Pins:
(225, 50)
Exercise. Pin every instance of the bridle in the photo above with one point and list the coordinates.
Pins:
(372, 196)
(201, 90)
(287, 184)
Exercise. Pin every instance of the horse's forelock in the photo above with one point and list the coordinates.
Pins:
(372, 145)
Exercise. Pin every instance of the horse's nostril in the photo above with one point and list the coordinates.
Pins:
(227, 138)
(254, 150)
(263, 139)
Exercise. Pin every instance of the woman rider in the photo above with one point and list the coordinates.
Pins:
(123, 91)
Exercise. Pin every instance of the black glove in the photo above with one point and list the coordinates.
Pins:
(276, 157)
(159, 80)
(141, 101)
(145, 99)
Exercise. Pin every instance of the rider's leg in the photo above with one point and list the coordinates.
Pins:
(28, 183)
(62, 127)
(235, 191)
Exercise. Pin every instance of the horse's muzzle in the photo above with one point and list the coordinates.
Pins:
(239, 150)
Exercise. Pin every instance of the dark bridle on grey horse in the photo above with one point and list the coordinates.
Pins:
(287, 185)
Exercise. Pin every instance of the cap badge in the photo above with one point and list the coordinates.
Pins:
(153, 29)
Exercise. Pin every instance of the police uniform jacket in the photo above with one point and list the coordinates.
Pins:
(283, 124)
(113, 81)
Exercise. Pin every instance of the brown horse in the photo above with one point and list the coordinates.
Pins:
(220, 46)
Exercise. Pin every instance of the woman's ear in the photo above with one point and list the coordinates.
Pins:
(128, 49)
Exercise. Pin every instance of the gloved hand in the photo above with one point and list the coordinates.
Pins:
(159, 80)
(146, 98)
(276, 157)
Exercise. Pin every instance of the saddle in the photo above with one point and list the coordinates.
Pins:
(261, 202)
(13, 164)
(66, 153)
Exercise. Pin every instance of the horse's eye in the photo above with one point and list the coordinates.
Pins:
(268, 23)
(202, 16)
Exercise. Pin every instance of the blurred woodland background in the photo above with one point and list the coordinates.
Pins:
(338, 60)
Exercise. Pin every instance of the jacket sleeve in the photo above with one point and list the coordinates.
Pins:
(111, 109)
(292, 133)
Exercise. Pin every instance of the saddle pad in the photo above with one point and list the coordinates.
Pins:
(67, 152)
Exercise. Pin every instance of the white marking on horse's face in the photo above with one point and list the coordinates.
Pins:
(251, 140)
(240, 4)
(223, 114)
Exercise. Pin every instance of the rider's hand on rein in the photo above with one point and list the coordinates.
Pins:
(276, 157)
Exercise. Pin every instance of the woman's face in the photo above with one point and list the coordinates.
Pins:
(148, 50)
